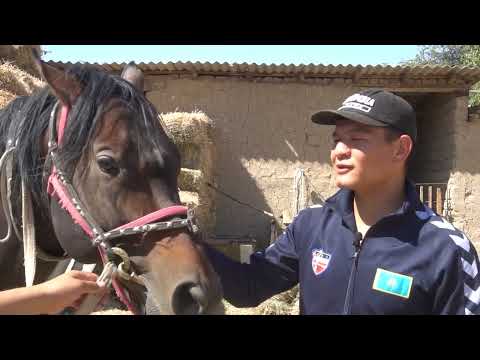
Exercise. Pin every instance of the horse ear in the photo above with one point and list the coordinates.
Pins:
(64, 86)
(133, 75)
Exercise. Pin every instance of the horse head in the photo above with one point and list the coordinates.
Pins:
(117, 157)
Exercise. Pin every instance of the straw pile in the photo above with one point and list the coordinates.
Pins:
(286, 303)
(193, 135)
(20, 56)
(15, 82)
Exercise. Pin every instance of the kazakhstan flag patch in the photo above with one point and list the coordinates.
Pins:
(392, 283)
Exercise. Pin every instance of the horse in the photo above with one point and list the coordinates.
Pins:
(90, 156)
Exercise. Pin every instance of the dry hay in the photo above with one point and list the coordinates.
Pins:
(112, 312)
(189, 128)
(189, 198)
(190, 179)
(16, 81)
(193, 134)
(5, 98)
(286, 303)
(20, 56)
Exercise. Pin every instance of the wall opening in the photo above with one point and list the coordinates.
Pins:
(432, 161)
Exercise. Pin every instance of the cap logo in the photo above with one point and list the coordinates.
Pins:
(358, 102)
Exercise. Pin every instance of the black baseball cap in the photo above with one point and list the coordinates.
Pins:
(374, 107)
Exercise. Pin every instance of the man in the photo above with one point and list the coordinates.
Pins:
(50, 297)
(373, 248)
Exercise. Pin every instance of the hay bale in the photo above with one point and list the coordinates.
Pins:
(5, 98)
(193, 134)
(189, 128)
(20, 56)
(190, 179)
(190, 199)
(203, 213)
(16, 81)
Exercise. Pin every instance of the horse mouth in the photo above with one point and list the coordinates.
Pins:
(190, 294)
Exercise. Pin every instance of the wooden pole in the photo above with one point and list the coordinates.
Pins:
(439, 201)
(430, 197)
(245, 251)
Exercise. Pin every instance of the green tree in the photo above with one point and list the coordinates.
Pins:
(462, 55)
(471, 57)
(437, 55)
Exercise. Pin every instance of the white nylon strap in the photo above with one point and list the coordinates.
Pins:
(85, 267)
(28, 230)
(92, 300)
(70, 265)
(88, 267)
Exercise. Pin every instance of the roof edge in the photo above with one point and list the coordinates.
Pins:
(437, 75)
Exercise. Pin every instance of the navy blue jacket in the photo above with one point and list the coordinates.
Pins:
(410, 262)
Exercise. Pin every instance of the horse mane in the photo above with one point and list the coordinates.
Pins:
(32, 115)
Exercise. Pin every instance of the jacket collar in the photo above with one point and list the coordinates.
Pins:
(342, 203)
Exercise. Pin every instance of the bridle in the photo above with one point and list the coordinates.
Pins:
(60, 189)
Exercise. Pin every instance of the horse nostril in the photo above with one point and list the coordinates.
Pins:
(189, 299)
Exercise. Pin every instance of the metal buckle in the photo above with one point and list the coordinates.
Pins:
(191, 223)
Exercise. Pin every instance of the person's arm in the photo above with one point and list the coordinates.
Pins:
(51, 297)
(270, 272)
(458, 291)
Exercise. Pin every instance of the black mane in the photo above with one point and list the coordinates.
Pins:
(31, 114)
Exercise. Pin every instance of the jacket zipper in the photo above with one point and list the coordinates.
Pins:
(347, 307)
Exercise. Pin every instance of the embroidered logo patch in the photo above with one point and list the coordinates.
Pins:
(320, 260)
(392, 283)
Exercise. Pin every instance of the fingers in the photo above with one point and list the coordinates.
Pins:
(88, 281)
(76, 304)
(90, 287)
(81, 275)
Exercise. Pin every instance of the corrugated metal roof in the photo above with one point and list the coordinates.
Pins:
(468, 75)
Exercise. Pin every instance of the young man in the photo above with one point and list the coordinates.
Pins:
(50, 297)
(373, 248)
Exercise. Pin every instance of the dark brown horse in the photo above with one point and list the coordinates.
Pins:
(113, 154)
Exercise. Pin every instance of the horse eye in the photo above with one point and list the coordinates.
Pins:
(108, 165)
